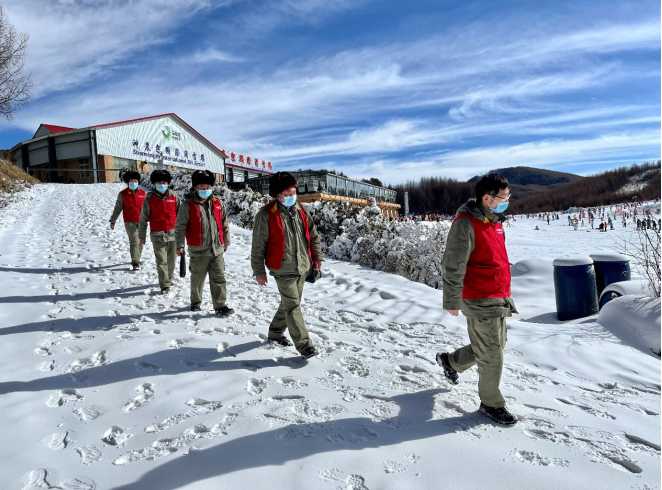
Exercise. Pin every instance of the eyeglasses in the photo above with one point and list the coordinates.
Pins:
(503, 198)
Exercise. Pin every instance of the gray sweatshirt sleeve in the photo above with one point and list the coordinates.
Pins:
(459, 245)
(180, 227)
(117, 210)
(144, 218)
(259, 243)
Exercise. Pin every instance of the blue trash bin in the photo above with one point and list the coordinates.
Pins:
(610, 268)
(575, 287)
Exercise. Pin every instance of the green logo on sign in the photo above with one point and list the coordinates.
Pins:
(170, 134)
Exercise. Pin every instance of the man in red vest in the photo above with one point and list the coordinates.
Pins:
(203, 223)
(160, 210)
(129, 203)
(476, 280)
(286, 240)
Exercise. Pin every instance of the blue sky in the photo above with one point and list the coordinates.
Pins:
(395, 90)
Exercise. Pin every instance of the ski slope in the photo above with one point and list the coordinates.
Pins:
(108, 385)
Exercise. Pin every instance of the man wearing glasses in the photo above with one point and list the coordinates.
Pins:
(476, 281)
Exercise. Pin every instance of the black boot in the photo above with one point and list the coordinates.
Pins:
(499, 415)
(449, 372)
(308, 352)
(135, 266)
(196, 307)
(165, 290)
(224, 311)
(282, 340)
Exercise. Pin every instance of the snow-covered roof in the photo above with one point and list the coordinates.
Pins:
(573, 261)
(609, 258)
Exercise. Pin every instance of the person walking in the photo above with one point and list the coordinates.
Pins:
(476, 281)
(160, 211)
(129, 204)
(286, 240)
(203, 224)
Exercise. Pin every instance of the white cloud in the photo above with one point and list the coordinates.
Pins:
(74, 42)
(463, 164)
(212, 55)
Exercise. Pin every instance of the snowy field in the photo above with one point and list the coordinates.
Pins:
(107, 385)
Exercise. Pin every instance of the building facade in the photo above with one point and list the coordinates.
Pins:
(98, 153)
(321, 185)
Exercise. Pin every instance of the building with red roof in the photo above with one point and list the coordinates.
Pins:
(97, 153)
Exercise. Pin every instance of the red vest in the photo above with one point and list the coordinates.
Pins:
(132, 204)
(276, 241)
(488, 269)
(162, 213)
(194, 226)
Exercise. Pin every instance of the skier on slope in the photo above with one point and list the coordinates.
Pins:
(129, 203)
(286, 239)
(160, 211)
(476, 280)
(203, 223)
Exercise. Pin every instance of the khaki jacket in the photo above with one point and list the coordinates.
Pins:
(295, 261)
(211, 242)
(459, 245)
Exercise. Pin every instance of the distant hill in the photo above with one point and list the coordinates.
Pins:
(635, 183)
(536, 189)
(533, 176)
(525, 180)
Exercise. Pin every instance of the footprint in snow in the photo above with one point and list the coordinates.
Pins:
(88, 454)
(58, 440)
(197, 406)
(87, 414)
(176, 343)
(64, 397)
(116, 436)
(537, 459)
(355, 367)
(145, 394)
(587, 409)
(96, 359)
(255, 386)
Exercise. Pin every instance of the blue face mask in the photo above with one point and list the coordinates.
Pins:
(162, 188)
(204, 193)
(501, 207)
(133, 185)
(289, 201)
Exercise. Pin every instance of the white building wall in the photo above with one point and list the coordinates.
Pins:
(161, 141)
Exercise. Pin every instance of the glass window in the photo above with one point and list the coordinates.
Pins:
(331, 183)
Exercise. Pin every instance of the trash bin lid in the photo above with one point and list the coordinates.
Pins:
(572, 261)
(610, 258)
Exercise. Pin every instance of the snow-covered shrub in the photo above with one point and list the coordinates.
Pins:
(644, 249)
(242, 206)
(411, 249)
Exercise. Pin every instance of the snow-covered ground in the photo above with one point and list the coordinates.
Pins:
(107, 385)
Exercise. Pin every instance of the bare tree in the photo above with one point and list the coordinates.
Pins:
(14, 83)
(645, 250)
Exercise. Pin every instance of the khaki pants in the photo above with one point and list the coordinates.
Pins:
(200, 265)
(166, 257)
(134, 242)
(488, 338)
(289, 315)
